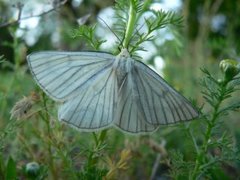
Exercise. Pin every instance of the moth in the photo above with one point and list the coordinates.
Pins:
(97, 90)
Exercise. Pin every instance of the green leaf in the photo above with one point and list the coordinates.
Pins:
(232, 107)
(2, 59)
(2, 167)
(11, 170)
(88, 34)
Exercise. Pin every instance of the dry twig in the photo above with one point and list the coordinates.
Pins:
(19, 6)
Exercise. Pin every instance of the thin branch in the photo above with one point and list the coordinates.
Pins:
(19, 18)
(192, 138)
(20, 7)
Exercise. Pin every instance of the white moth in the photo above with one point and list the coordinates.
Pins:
(98, 90)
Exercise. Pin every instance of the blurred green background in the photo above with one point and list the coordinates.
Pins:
(210, 32)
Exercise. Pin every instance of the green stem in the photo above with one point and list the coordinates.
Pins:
(130, 25)
(68, 163)
(93, 156)
(15, 51)
(192, 138)
(210, 126)
(46, 119)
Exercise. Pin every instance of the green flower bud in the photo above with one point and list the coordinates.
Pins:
(32, 169)
(230, 68)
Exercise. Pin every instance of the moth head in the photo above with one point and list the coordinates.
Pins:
(124, 53)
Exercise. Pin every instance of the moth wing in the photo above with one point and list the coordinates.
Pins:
(161, 104)
(63, 75)
(94, 107)
(130, 115)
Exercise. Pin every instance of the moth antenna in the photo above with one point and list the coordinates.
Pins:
(120, 41)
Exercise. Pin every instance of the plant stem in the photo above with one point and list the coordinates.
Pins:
(130, 25)
(93, 156)
(46, 119)
(207, 136)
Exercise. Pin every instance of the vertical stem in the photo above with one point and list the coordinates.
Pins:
(192, 138)
(49, 146)
(130, 24)
(207, 136)
(93, 158)
(16, 54)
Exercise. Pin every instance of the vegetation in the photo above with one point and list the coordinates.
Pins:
(35, 145)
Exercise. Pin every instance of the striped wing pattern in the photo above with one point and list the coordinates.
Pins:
(161, 103)
(95, 95)
(147, 101)
(63, 74)
(130, 111)
(93, 108)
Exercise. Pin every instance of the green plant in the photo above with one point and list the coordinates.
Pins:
(127, 27)
(216, 92)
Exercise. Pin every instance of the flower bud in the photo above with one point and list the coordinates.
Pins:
(32, 169)
(230, 68)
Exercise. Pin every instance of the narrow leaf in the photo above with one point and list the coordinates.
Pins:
(11, 171)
